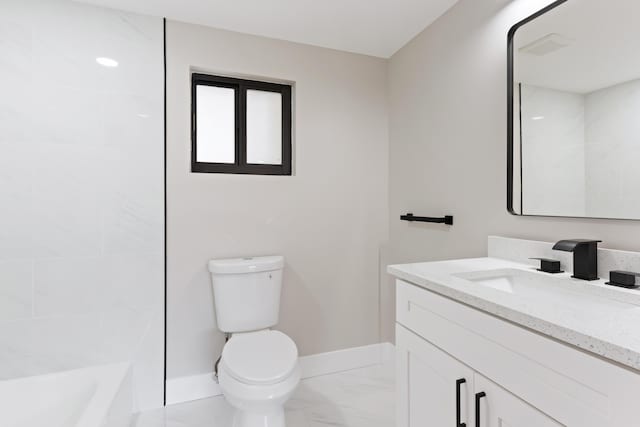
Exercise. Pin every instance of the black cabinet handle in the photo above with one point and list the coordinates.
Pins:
(478, 397)
(458, 384)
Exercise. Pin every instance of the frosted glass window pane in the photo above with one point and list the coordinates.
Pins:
(264, 127)
(215, 124)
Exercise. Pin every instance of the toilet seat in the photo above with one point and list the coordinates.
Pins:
(260, 358)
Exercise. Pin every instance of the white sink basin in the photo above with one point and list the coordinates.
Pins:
(558, 290)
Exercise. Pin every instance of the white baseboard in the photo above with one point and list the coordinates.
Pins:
(185, 389)
(344, 360)
(194, 387)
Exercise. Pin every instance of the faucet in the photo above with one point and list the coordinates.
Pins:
(585, 257)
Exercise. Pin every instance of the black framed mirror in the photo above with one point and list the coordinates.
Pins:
(573, 111)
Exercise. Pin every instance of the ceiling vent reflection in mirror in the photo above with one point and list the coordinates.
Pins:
(546, 45)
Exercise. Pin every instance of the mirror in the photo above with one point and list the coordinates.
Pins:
(574, 111)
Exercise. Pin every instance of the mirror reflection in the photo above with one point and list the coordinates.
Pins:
(576, 111)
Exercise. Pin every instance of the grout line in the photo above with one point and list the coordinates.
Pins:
(33, 289)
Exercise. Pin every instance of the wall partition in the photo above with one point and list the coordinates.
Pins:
(81, 192)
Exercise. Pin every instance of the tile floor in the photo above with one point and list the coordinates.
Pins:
(357, 398)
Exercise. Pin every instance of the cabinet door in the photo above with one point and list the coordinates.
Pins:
(496, 407)
(434, 389)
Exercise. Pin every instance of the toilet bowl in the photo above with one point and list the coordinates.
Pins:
(258, 372)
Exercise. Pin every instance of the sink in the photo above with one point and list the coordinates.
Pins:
(562, 291)
(591, 315)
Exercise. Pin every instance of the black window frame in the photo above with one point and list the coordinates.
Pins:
(240, 87)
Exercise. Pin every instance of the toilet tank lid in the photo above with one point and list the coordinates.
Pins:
(246, 265)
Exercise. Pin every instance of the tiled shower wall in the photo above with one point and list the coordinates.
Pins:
(593, 140)
(81, 192)
(553, 121)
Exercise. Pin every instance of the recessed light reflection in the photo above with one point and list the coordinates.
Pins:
(144, 116)
(107, 62)
(537, 118)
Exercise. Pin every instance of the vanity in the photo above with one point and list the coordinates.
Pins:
(492, 342)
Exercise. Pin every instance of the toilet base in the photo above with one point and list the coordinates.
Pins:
(252, 419)
(257, 405)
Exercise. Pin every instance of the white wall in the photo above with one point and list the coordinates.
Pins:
(81, 192)
(580, 158)
(553, 152)
(448, 98)
(613, 151)
(329, 220)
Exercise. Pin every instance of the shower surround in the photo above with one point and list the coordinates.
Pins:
(81, 192)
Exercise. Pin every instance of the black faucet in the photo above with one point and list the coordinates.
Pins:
(585, 257)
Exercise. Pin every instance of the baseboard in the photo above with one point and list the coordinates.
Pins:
(185, 389)
(344, 360)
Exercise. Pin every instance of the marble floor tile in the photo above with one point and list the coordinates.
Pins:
(357, 398)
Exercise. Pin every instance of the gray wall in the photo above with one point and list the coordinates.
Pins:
(447, 92)
(329, 220)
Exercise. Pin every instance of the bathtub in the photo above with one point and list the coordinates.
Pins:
(99, 396)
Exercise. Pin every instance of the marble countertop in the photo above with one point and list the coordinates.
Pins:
(597, 318)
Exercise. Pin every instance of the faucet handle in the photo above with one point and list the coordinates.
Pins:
(624, 279)
(549, 265)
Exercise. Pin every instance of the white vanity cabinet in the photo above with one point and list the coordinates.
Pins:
(436, 390)
(431, 384)
(452, 358)
(499, 408)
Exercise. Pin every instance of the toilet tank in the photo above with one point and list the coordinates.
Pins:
(246, 292)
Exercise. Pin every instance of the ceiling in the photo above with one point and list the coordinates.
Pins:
(603, 43)
(371, 27)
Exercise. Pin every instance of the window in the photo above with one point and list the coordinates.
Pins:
(240, 126)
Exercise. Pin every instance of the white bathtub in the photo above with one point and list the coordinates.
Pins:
(99, 396)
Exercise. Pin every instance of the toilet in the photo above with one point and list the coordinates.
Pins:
(258, 370)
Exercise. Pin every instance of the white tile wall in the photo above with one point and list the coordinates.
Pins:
(16, 295)
(81, 191)
(581, 158)
(553, 152)
(15, 195)
(613, 152)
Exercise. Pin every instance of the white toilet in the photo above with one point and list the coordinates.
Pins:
(259, 369)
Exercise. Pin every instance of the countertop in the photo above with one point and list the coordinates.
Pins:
(597, 318)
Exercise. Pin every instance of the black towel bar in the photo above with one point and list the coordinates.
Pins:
(448, 219)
